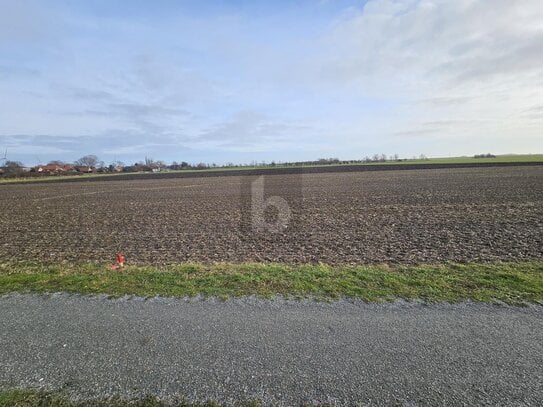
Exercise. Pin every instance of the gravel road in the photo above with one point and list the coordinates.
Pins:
(278, 351)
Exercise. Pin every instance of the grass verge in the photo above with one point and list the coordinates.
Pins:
(513, 283)
(35, 398)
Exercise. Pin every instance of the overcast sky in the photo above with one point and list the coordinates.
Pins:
(220, 81)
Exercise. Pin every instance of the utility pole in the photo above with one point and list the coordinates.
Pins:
(4, 158)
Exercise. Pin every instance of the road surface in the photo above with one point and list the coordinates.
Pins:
(279, 351)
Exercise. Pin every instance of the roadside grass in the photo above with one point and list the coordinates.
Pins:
(523, 158)
(37, 398)
(513, 283)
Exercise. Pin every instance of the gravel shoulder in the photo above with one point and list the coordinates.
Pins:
(276, 351)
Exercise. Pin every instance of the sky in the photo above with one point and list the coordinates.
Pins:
(237, 81)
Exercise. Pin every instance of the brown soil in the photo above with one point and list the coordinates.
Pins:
(417, 216)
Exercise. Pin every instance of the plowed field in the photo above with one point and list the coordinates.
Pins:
(415, 216)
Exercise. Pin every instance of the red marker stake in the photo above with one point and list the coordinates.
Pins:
(120, 262)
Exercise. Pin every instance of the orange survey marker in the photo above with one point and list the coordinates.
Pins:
(120, 262)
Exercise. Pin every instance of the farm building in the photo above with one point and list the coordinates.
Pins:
(54, 168)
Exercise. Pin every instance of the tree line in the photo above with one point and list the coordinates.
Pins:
(94, 164)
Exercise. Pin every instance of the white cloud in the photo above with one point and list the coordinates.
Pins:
(248, 131)
(476, 64)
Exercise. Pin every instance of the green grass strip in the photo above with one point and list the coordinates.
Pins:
(514, 283)
(35, 398)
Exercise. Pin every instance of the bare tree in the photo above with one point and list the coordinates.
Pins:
(88, 160)
(13, 164)
(13, 167)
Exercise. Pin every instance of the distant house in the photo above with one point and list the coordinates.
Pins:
(53, 168)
